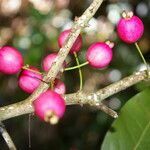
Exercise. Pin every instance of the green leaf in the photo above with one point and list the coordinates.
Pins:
(131, 131)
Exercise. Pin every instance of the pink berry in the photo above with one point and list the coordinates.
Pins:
(11, 60)
(48, 60)
(130, 28)
(99, 55)
(63, 37)
(59, 87)
(28, 81)
(49, 106)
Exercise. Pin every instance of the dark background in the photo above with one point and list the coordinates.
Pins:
(33, 27)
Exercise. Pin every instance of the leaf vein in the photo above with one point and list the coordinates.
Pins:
(142, 135)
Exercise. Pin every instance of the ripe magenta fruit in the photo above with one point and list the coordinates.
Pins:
(63, 37)
(59, 87)
(99, 55)
(49, 106)
(11, 60)
(48, 60)
(28, 81)
(130, 28)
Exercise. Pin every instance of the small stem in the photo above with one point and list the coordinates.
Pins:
(76, 67)
(144, 61)
(7, 137)
(80, 72)
(34, 71)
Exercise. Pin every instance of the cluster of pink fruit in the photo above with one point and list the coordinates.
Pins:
(50, 106)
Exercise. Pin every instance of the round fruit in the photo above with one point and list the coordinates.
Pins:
(130, 28)
(48, 60)
(59, 87)
(28, 80)
(99, 55)
(63, 37)
(49, 106)
(11, 60)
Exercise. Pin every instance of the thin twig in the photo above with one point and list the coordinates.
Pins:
(7, 137)
(93, 99)
(107, 110)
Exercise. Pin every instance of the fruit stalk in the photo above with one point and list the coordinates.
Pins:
(144, 61)
(80, 72)
(76, 67)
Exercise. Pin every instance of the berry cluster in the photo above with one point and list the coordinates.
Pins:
(50, 105)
